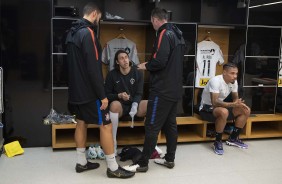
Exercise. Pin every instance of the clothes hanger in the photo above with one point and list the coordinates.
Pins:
(208, 38)
(121, 35)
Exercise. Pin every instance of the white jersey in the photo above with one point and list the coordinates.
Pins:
(116, 44)
(217, 85)
(208, 54)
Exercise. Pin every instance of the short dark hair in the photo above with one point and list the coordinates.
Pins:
(89, 8)
(116, 66)
(229, 65)
(159, 13)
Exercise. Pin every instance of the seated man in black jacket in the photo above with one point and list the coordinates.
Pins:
(124, 89)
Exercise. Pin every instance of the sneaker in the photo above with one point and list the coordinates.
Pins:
(100, 152)
(162, 161)
(89, 166)
(136, 168)
(218, 148)
(91, 153)
(119, 173)
(236, 142)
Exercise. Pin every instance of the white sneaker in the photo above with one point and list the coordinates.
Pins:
(135, 168)
(100, 152)
(91, 153)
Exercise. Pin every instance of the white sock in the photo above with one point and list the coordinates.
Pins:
(111, 162)
(81, 157)
(115, 120)
(160, 152)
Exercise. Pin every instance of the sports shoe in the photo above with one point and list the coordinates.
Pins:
(236, 142)
(218, 148)
(119, 173)
(136, 168)
(162, 161)
(91, 153)
(100, 152)
(88, 166)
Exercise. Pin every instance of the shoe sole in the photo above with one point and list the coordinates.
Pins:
(144, 169)
(120, 176)
(236, 145)
(79, 170)
(165, 165)
(216, 151)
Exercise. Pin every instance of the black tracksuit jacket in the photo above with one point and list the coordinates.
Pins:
(166, 64)
(84, 64)
(132, 84)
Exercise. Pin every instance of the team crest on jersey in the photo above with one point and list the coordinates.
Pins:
(212, 51)
(132, 81)
(107, 117)
(127, 49)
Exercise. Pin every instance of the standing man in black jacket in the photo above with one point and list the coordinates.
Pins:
(165, 67)
(87, 98)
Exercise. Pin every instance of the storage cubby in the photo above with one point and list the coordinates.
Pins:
(264, 126)
(129, 136)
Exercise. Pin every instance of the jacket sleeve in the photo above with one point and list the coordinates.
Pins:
(161, 55)
(109, 88)
(93, 63)
(139, 91)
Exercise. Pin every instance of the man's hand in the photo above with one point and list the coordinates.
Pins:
(142, 66)
(105, 103)
(241, 104)
(124, 96)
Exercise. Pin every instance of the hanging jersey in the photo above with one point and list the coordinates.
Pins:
(208, 54)
(116, 44)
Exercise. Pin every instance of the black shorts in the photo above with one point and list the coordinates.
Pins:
(206, 113)
(90, 113)
(125, 109)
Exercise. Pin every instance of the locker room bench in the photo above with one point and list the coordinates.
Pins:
(190, 129)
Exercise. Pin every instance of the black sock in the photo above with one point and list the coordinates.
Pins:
(235, 133)
(218, 136)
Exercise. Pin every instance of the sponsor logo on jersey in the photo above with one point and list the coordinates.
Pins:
(203, 81)
(208, 51)
(280, 82)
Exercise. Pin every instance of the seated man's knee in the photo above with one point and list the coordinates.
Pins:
(247, 112)
(142, 110)
(115, 107)
(223, 113)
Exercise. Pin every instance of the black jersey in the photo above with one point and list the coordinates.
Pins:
(132, 84)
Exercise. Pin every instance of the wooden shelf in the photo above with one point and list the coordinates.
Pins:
(266, 129)
(190, 129)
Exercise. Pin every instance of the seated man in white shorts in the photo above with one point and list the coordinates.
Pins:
(213, 104)
(124, 89)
